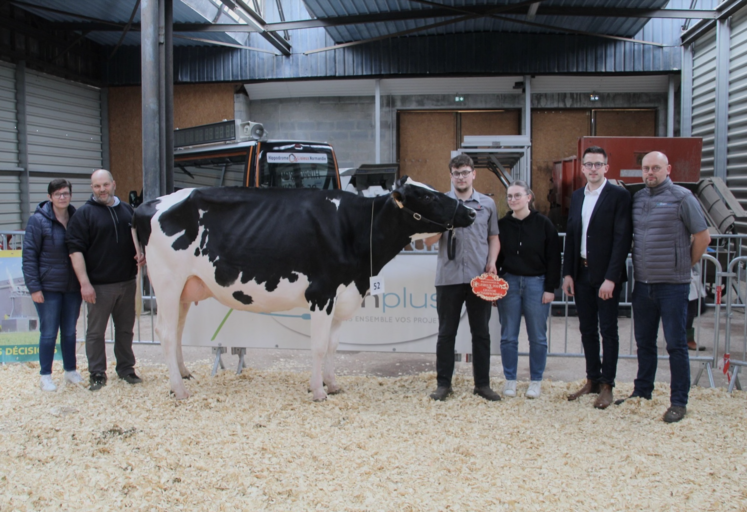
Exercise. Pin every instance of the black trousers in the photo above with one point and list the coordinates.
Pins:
(449, 303)
(595, 317)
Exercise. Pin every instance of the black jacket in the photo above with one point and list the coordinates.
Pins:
(530, 247)
(46, 264)
(103, 234)
(608, 237)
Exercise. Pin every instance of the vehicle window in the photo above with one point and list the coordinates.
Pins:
(297, 170)
(210, 171)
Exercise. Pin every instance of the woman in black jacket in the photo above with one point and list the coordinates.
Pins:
(530, 262)
(51, 280)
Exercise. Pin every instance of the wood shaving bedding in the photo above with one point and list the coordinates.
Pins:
(256, 442)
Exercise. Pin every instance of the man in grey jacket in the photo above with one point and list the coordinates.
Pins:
(670, 235)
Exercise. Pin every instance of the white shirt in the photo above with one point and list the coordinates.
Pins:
(590, 201)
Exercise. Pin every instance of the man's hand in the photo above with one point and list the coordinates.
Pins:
(568, 286)
(88, 293)
(140, 259)
(606, 290)
(548, 297)
(491, 269)
(38, 297)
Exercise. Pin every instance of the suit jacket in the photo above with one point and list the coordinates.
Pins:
(608, 237)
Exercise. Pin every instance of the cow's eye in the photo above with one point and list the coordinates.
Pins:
(427, 199)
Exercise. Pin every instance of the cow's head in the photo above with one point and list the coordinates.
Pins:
(430, 210)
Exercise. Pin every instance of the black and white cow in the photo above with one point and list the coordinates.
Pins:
(276, 249)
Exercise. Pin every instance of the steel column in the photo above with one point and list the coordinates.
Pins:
(23, 141)
(670, 107)
(526, 129)
(149, 50)
(168, 67)
(723, 37)
(686, 90)
(105, 155)
(377, 122)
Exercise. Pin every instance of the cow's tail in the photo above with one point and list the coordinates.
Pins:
(139, 290)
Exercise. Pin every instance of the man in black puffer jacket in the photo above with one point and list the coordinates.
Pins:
(100, 244)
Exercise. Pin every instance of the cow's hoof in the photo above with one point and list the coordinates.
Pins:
(187, 377)
(335, 390)
(182, 395)
(320, 397)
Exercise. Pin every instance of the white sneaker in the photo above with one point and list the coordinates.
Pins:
(509, 389)
(73, 377)
(535, 388)
(46, 383)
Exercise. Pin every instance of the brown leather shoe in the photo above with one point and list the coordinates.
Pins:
(588, 387)
(605, 397)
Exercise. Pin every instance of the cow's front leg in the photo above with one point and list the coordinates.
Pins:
(321, 323)
(329, 359)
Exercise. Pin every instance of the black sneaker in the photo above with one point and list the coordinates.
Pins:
(674, 414)
(487, 394)
(98, 381)
(131, 378)
(441, 393)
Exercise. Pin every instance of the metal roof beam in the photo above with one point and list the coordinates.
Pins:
(271, 37)
(383, 17)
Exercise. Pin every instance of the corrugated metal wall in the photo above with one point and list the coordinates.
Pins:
(704, 98)
(8, 134)
(64, 123)
(10, 199)
(737, 134)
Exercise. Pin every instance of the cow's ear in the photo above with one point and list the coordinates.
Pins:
(399, 199)
(402, 181)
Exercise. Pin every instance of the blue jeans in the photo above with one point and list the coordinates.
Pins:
(58, 312)
(668, 302)
(524, 297)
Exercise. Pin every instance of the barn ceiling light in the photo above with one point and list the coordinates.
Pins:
(458, 98)
(594, 97)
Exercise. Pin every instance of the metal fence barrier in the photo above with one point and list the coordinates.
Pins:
(724, 250)
(736, 285)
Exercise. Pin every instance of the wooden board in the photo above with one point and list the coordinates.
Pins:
(630, 123)
(426, 140)
(505, 122)
(193, 105)
(555, 136)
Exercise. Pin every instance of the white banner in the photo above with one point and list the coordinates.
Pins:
(296, 158)
(404, 319)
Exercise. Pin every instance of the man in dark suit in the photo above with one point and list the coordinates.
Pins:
(597, 242)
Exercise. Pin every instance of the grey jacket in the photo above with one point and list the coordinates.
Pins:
(661, 238)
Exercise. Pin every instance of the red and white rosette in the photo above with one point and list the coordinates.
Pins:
(489, 287)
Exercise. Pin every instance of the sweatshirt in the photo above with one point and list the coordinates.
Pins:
(102, 233)
(530, 247)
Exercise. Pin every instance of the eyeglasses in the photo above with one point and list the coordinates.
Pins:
(655, 168)
(514, 196)
(460, 174)
(61, 195)
(594, 165)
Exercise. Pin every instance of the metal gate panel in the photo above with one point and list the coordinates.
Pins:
(38, 189)
(704, 98)
(736, 177)
(64, 125)
(8, 131)
(10, 201)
